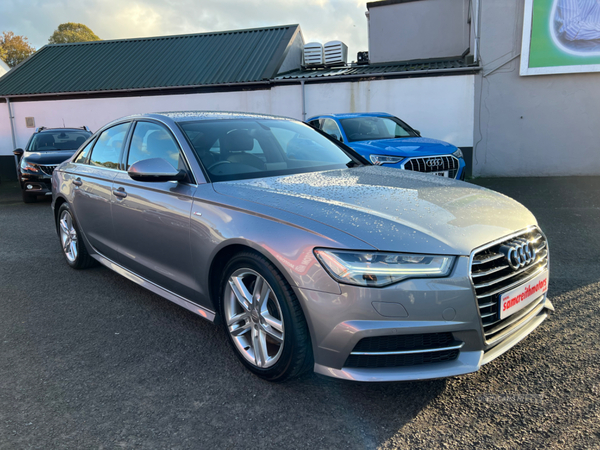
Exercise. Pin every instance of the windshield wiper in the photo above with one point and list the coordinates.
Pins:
(352, 164)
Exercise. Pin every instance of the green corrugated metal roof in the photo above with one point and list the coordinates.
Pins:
(387, 69)
(238, 56)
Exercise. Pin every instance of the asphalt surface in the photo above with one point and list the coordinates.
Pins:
(90, 360)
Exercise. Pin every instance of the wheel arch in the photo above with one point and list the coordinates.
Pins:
(60, 200)
(224, 254)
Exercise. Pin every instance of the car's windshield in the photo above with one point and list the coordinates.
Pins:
(58, 140)
(255, 148)
(374, 128)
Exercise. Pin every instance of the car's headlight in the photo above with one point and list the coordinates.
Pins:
(382, 159)
(381, 269)
(28, 166)
(458, 153)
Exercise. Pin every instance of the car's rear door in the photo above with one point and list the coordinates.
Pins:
(92, 179)
(152, 219)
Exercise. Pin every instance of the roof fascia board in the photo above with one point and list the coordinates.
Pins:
(174, 90)
(389, 2)
(381, 75)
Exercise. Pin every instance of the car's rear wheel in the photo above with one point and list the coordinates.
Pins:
(71, 240)
(264, 320)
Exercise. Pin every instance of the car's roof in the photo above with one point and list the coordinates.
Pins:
(354, 115)
(185, 116)
(45, 130)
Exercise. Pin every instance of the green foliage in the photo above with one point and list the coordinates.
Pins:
(72, 32)
(14, 49)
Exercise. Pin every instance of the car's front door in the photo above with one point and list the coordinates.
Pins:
(92, 178)
(152, 219)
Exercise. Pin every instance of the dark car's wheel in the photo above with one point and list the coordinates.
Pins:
(71, 240)
(264, 320)
(28, 198)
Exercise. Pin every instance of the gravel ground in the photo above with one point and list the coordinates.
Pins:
(90, 360)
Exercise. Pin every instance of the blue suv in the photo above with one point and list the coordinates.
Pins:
(385, 139)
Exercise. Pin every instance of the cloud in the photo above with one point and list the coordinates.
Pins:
(320, 20)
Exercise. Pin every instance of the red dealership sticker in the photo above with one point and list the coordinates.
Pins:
(519, 298)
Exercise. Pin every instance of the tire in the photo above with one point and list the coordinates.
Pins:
(276, 328)
(28, 198)
(71, 240)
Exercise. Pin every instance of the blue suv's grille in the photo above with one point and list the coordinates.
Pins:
(434, 164)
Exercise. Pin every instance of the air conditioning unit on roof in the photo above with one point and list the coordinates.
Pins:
(313, 54)
(336, 53)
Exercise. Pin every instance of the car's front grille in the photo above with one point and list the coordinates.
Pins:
(492, 276)
(433, 164)
(403, 350)
(48, 169)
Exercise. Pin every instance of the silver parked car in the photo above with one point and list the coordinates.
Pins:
(320, 262)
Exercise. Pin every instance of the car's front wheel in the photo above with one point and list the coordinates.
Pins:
(71, 240)
(264, 320)
(28, 198)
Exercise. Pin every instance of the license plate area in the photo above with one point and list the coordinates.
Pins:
(443, 173)
(516, 299)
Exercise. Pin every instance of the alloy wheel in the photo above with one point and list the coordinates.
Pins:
(68, 236)
(254, 319)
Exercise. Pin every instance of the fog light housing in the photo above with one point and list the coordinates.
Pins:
(29, 186)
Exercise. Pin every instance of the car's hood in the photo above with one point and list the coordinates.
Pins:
(416, 146)
(390, 209)
(51, 157)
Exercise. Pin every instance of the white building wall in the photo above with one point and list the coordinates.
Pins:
(440, 107)
(5, 135)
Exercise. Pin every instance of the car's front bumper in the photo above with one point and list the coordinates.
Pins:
(412, 307)
(36, 184)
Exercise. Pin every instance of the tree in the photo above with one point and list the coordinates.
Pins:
(72, 32)
(14, 49)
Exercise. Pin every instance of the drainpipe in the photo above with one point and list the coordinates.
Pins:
(303, 102)
(11, 118)
(475, 18)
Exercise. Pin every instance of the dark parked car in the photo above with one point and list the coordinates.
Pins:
(326, 262)
(46, 149)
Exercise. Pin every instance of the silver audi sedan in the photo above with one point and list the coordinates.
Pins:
(310, 257)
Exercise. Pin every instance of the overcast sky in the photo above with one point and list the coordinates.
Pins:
(320, 20)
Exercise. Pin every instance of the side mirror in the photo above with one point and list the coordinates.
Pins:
(18, 152)
(155, 170)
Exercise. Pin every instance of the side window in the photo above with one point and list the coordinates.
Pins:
(331, 128)
(108, 146)
(83, 155)
(315, 123)
(151, 140)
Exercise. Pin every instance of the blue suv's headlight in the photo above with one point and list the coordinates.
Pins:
(382, 159)
(458, 153)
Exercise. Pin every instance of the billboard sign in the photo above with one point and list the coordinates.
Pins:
(560, 36)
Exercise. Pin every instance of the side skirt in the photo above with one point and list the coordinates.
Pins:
(181, 301)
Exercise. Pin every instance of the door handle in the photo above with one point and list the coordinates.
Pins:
(77, 181)
(120, 193)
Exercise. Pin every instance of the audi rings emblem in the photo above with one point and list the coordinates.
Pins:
(519, 253)
(435, 162)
